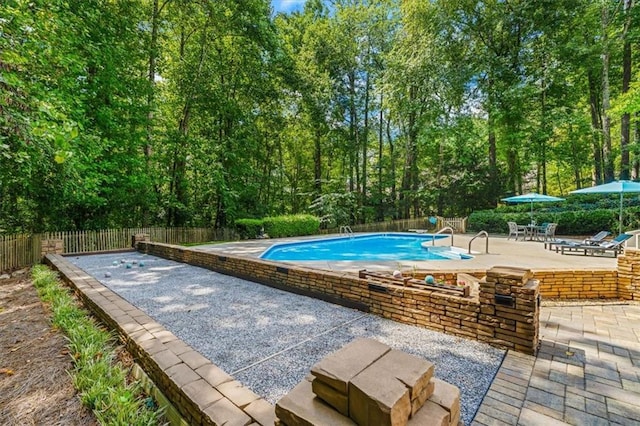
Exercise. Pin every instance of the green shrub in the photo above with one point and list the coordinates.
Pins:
(291, 226)
(249, 228)
(570, 222)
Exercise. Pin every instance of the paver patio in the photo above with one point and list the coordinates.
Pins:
(587, 371)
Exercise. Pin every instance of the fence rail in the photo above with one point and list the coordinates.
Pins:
(22, 250)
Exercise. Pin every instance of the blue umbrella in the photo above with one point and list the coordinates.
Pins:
(615, 187)
(532, 197)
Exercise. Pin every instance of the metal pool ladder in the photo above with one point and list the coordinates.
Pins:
(447, 229)
(480, 234)
(346, 230)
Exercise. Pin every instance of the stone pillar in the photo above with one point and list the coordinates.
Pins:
(510, 308)
(629, 274)
(135, 239)
(52, 247)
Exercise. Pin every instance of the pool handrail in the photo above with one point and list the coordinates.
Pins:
(442, 231)
(346, 230)
(484, 234)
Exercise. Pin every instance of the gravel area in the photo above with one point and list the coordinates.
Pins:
(269, 339)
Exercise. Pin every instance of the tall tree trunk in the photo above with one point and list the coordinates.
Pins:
(409, 178)
(153, 57)
(492, 151)
(365, 147)
(380, 209)
(352, 134)
(317, 160)
(392, 158)
(625, 128)
(636, 143)
(596, 126)
(542, 173)
(609, 172)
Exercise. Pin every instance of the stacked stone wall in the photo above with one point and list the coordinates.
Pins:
(202, 392)
(53, 246)
(629, 275)
(578, 284)
(461, 316)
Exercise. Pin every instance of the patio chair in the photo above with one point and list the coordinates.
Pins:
(516, 230)
(597, 238)
(614, 247)
(548, 232)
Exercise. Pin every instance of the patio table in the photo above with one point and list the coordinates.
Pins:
(533, 231)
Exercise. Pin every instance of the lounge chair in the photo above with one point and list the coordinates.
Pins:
(597, 238)
(614, 247)
(515, 230)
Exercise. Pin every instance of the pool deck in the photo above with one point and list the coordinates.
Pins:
(502, 252)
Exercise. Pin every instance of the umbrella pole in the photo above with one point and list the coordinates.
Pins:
(531, 221)
(620, 216)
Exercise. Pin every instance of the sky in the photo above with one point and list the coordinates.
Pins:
(287, 5)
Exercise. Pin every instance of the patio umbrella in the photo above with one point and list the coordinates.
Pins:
(532, 197)
(615, 187)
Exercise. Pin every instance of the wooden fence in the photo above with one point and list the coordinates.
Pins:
(22, 250)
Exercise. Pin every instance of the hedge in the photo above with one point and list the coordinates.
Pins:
(291, 226)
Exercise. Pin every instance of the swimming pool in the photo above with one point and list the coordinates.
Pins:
(366, 247)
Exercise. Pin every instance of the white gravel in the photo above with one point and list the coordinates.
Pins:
(269, 339)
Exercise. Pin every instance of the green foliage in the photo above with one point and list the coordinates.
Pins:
(570, 222)
(99, 378)
(249, 228)
(291, 226)
(205, 112)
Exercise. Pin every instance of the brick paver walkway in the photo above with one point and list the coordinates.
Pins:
(587, 371)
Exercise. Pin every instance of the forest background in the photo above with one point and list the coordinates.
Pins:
(196, 113)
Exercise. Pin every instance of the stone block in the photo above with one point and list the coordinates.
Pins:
(338, 368)
(262, 412)
(376, 397)
(240, 395)
(422, 397)
(430, 414)
(335, 399)
(414, 372)
(223, 412)
(300, 407)
(447, 396)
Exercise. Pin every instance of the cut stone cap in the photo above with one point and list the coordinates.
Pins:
(510, 272)
(430, 414)
(337, 369)
(300, 407)
(414, 372)
(376, 397)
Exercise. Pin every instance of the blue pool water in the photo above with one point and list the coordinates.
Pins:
(396, 246)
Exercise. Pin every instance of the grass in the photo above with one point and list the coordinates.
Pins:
(97, 375)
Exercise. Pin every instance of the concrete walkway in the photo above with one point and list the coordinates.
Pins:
(587, 371)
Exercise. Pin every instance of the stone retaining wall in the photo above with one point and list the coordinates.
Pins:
(203, 393)
(489, 319)
(629, 274)
(578, 284)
